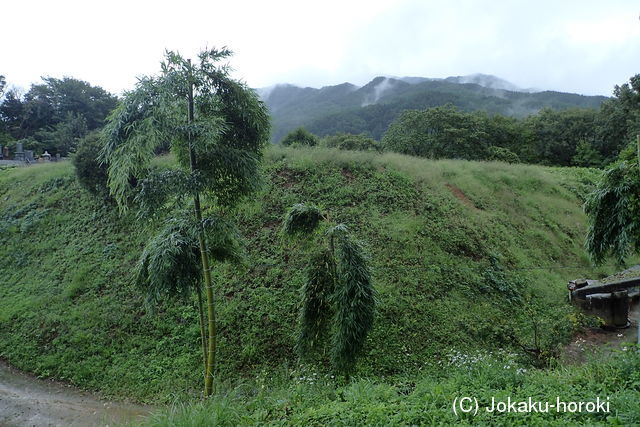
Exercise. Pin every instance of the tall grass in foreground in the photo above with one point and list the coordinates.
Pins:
(428, 400)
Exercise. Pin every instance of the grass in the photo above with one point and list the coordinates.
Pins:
(467, 256)
(427, 400)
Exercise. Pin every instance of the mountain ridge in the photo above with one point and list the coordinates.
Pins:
(372, 107)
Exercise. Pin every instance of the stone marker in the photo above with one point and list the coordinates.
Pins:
(28, 156)
(19, 151)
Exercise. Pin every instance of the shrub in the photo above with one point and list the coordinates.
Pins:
(502, 154)
(91, 172)
(300, 136)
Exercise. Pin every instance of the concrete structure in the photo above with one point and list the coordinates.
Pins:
(609, 301)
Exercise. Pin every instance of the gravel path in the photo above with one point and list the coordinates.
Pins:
(29, 401)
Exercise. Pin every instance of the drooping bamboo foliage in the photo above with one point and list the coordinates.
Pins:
(613, 210)
(353, 301)
(230, 128)
(170, 264)
(301, 219)
(217, 128)
(316, 302)
(133, 131)
(163, 191)
(338, 297)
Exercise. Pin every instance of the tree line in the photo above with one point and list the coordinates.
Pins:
(53, 115)
(56, 114)
(573, 137)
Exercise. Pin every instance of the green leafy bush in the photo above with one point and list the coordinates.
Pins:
(90, 171)
(613, 210)
(502, 154)
(300, 136)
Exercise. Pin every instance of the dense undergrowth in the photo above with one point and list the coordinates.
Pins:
(467, 256)
(428, 400)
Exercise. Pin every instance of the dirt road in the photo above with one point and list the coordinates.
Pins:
(28, 401)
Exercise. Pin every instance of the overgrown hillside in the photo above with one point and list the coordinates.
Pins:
(467, 256)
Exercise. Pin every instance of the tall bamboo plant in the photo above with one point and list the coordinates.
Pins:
(338, 297)
(217, 128)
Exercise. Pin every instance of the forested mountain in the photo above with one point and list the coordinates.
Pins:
(372, 107)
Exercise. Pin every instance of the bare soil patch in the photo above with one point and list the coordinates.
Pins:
(459, 194)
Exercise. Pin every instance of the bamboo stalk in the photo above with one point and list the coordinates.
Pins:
(206, 270)
(203, 337)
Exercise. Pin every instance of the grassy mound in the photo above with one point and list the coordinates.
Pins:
(467, 256)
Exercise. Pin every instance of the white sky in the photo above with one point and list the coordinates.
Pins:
(575, 46)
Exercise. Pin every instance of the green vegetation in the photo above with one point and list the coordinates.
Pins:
(308, 399)
(469, 255)
(372, 108)
(347, 141)
(217, 128)
(462, 122)
(562, 138)
(53, 116)
(614, 209)
(90, 171)
(501, 154)
(437, 133)
(338, 297)
(455, 246)
(300, 136)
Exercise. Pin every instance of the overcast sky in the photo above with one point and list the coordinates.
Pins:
(575, 46)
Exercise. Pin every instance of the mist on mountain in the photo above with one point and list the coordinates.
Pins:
(371, 108)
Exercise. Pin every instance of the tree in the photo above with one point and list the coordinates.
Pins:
(508, 133)
(587, 156)
(4, 135)
(12, 114)
(217, 128)
(557, 134)
(338, 297)
(56, 113)
(52, 101)
(300, 136)
(441, 132)
(613, 209)
(64, 136)
(619, 119)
